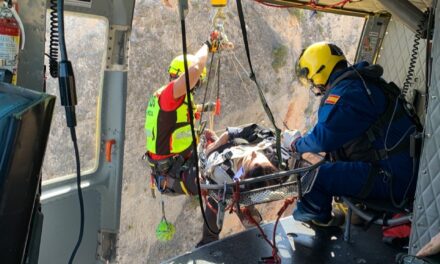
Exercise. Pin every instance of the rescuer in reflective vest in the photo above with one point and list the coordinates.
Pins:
(363, 124)
(167, 126)
(168, 131)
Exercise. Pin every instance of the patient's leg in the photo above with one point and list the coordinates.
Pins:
(211, 218)
(189, 181)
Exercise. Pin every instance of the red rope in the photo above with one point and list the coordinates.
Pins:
(287, 202)
(235, 198)
(230, 207)
(312, 3)
(208, 204)
(275, 257)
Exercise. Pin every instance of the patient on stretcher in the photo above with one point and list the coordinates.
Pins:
(241, 153)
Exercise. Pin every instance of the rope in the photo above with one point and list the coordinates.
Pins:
(235, 198)
(275, 257)
(191, 117)
(208, 204)
(239, 74)
(217, 101)
(312, 3)
(207, 87)
(253, 78)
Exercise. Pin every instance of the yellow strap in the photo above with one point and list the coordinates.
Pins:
(182, 185)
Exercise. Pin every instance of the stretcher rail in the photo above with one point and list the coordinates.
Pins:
(264, 178)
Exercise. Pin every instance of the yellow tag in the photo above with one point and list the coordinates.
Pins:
(219, 3)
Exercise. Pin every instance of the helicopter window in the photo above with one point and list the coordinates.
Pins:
(85, 40)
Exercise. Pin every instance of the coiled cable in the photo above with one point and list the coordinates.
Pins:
(406, 85)
(54, 40)
(414, 55)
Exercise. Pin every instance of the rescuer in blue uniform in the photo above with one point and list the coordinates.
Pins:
(362, 125)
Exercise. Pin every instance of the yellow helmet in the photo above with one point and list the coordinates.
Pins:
(177, 66)
(317, 61)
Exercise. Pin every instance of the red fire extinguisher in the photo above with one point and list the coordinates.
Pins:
(10, 32)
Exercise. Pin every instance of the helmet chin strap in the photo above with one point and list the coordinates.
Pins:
(313, 87)
(317, 90)
(197, 86)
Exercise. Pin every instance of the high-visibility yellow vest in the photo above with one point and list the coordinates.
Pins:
(167, 132)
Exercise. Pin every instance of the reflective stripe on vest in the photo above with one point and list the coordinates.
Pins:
(167, 132)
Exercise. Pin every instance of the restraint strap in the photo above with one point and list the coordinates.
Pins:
(374, 132)
(369, 184)
(253, 78)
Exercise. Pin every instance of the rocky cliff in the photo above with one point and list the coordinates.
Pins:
(276, 37)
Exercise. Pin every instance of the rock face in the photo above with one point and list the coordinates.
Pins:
(276, 37)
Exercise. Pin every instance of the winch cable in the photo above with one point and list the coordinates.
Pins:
(66, 82)
(234, 60)
(253, 78)
(242, 81)
(183, 4)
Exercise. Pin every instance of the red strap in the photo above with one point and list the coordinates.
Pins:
(218, 107)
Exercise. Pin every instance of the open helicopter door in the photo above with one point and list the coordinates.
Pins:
(427, 203)
(101, 183)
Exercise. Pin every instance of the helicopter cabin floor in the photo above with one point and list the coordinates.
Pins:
(297, 243)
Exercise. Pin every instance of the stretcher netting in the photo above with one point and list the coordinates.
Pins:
(289, 187)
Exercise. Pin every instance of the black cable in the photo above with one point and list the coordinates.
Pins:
(66, 77)
(428, 59)
(80, 196)
(405, 88)
(191, 117)
(413, 57)
(218, 78)
(253, 78)
(53, 44)
(61, 39)
(66, 81)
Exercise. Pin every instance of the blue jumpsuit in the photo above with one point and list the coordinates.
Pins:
(347, 113)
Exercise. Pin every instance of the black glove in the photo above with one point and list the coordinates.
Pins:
(213, 41)
(209, 107)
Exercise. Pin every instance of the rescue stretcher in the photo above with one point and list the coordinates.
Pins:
(295, 181)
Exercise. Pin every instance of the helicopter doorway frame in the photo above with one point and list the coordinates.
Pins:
(102, 187)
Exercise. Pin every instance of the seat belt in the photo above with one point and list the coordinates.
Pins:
(371, 178)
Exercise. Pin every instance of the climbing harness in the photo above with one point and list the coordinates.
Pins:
(362, 148)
